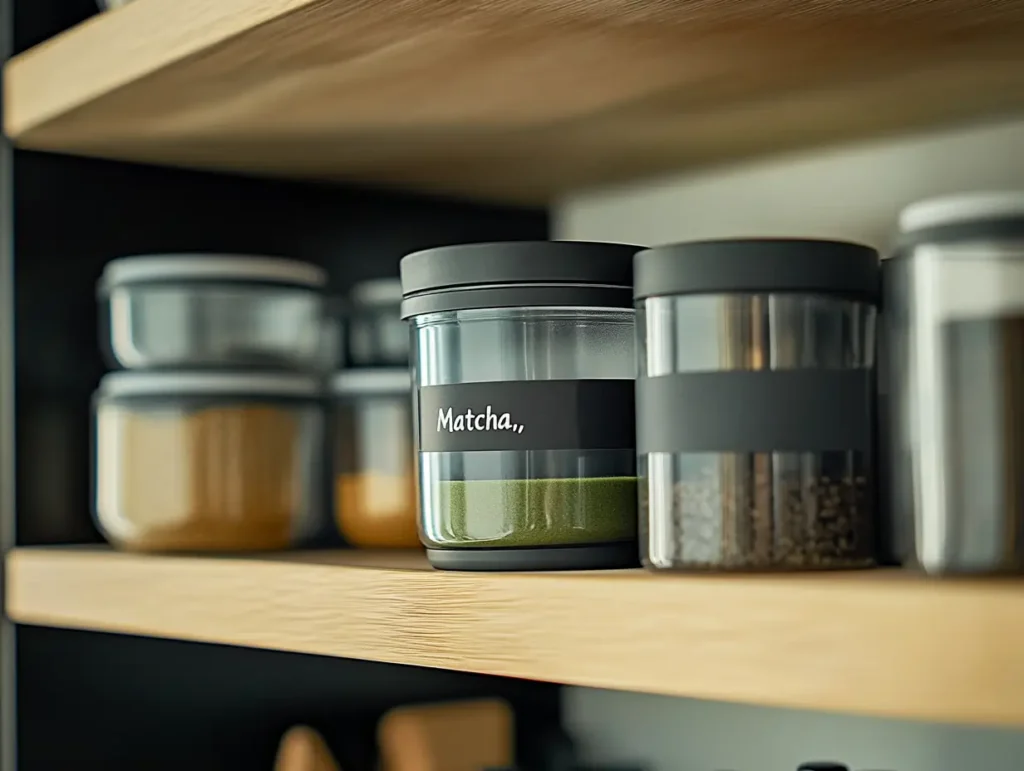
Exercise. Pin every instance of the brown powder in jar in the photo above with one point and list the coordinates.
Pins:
(377, 510)
(218, 479)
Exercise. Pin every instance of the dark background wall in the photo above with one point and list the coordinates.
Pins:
(139, 704)
(121, 702)
(72, 215)
(90, 700)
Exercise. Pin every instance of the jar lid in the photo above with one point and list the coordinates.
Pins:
(137, 383)
(152, 269)
(963, 208)
(758, 265)
(517, 274)
(383, 381)
(380, 291)
(964, 217)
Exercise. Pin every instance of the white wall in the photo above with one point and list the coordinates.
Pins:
(853, 193)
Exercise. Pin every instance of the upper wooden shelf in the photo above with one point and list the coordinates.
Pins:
(881, 642)
(517, 100)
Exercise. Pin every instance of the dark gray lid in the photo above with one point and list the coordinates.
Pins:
(758, 265)
(517, 273)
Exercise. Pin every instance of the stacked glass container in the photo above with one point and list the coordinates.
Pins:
(374, 472)
(209, 436)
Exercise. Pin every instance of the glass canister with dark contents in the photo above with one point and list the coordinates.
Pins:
(755, 404)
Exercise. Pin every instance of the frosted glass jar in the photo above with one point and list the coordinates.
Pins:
(523, 362)
(212, 312)
(954, 323)
(207, 461)
(755, 405)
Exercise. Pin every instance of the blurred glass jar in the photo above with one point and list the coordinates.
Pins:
(377, 336)
(207, 461)
(954, 329)
(212, 312)
(374, 458)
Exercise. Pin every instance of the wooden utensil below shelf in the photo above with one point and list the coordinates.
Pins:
(464, 736)
(303, 749)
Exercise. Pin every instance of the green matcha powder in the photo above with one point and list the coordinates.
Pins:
(538, 512)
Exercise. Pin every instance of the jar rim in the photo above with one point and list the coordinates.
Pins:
(158, 268)
(140, 383)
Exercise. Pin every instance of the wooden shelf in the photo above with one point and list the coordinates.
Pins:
(880, 642)
(517, 100)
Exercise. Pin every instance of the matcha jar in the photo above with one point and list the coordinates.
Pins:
(523, 379)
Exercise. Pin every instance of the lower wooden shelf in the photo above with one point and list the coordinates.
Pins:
(878, 642)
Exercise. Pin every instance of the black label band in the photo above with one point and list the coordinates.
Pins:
(527, 415)
(808, 410)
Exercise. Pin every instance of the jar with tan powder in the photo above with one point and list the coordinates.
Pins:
(206, 461)
(374, 458)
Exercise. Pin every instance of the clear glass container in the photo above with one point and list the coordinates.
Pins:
(207, 462)
(374, 458)
(754, 414)
(215, 311)
(523, 396)
(755, 510)
(525, 498)
(954, 317)
(377, 335)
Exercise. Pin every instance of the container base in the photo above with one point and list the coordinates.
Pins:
(703, 568)
(603, 556)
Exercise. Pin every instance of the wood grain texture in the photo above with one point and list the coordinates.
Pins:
(507, 99)
(881, 642)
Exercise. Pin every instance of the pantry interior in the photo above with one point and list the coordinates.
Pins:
(126, 662)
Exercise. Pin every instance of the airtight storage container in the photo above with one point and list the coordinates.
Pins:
(954, 319)
(374, 458)
(207, 461)
(377, 335)
(755, 404)
(212, 311)
(523, 385)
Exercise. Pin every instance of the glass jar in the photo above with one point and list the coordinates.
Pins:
(377, 335)
(374, 458)
(523, 385)
(755, 404)
(954, 322)
(212, 311)
(333, 337)
(207, 461)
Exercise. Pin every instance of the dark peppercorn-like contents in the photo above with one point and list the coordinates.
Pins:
(722, 519)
